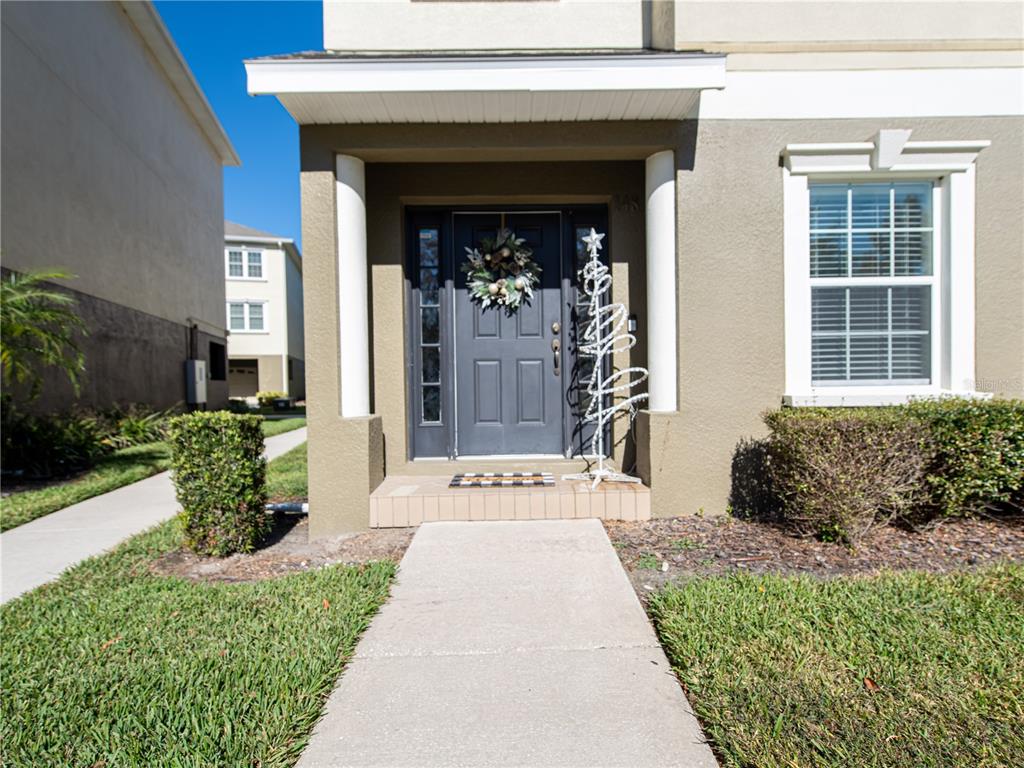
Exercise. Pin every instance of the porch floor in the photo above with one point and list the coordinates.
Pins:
(408, 500)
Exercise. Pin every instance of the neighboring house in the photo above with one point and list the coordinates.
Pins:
(112, 171)
(264, 313)
(807, 203)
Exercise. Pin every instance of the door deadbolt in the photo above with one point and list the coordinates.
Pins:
(556, 327)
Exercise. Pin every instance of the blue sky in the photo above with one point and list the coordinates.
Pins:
(215, 38)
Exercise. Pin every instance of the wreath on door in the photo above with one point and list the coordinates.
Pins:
(501, 272)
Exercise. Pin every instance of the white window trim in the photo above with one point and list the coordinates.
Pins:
(247, 303)
(890, 156)
(245, 251)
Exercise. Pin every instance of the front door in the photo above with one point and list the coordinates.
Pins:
(509, 368)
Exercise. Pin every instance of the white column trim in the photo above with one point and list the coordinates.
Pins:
(960, 278)
(797, 286)
(353, 316)
(662, 319)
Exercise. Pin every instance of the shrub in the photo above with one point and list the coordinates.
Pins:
(52, 446)
(267, 398)
(220, 477)
(839, 471)
(134, 425)
(978, 462)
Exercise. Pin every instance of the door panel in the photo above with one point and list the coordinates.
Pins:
(508, 392)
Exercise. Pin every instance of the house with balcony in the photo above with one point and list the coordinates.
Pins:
(263, 305)
(804, 203)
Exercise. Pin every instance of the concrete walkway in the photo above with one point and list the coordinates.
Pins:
(39, 551)
(509, 644)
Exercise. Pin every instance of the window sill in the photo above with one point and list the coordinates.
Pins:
(249, 333)
(868, 396)
(236, 278)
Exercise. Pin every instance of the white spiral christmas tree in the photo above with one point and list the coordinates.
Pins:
(605, 334)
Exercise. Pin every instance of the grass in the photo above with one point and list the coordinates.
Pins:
(648, 562)
(273, 427)
(111, 665)
(286, 476)
(118, 469)
(122, 467)
(897, 670)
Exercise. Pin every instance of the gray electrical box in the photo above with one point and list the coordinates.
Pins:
(195, 382)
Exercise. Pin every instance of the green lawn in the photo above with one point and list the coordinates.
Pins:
(286, 476)
(119, 468)
(273, 427)
(906, 669)
(122, 467)
(111, 665)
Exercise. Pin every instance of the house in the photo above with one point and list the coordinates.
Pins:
(112, 172)
(263, 287)
(806, 203)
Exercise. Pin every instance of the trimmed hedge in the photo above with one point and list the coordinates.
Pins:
(979, 453)
(836, 472)
(220, 477)
(839, 472)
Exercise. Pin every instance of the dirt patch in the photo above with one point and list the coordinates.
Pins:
(287, 550)
(656, 551)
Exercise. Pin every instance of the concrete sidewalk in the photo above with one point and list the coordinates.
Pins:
(509, 644)
(39, 551)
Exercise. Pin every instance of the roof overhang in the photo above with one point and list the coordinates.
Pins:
(487, 89)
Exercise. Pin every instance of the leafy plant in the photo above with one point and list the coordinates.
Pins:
(978, 462)
(39, 447)
(840, 471)
(220, 478)
(267, 398)
(38, 328)
(648, 562)
(135, 425)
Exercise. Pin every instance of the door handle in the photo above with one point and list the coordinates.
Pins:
(556, 347)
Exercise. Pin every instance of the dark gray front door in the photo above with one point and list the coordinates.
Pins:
(508, 397)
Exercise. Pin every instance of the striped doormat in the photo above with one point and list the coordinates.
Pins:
(501, 479)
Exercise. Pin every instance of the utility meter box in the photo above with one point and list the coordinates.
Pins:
(195, 382)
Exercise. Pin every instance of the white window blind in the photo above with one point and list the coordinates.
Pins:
(234, 263)
(872, 284)
(255, 263)
(246, 316)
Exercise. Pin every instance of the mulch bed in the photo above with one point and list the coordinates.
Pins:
(287, 550)
(656, 551)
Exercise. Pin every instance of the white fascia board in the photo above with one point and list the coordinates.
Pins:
(250, 239)
(496, 74)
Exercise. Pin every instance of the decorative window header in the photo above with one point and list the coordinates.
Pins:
(889, 151)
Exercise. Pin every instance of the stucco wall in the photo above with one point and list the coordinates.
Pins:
(412, 25)
(731, 312)
(105, 172)
(293, 295)
(737, 25)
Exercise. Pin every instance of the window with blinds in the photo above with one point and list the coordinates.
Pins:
(872, 283)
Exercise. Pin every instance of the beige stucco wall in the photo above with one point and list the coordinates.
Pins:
(781, 25)
(105, 172)
(412, 25)
(731, 321)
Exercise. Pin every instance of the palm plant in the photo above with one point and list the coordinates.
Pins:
(38, 328)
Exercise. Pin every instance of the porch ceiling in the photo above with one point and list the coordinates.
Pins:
(519, 89)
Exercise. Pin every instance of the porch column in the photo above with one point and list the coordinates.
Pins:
(661, 282)
(354, 331)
